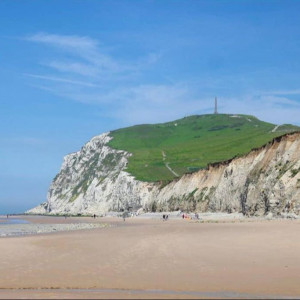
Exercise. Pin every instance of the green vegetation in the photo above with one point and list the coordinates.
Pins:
(191, 143)
(73, 198)
(201, 196)
(287, 128)
(193, 192)
(295, 172)
(283, 169)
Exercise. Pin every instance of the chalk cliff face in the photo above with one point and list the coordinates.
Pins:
(94, 180)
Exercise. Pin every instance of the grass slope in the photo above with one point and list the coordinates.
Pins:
(191, 143)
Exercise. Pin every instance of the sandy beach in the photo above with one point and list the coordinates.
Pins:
(149, 258)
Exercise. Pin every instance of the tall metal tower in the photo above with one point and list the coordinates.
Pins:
(216, 106)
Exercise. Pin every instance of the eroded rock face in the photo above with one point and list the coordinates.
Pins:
(265, 181)
(94, 180)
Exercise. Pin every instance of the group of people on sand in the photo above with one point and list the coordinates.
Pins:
(189, 217)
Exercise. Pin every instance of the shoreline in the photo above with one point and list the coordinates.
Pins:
(23, 225)
(171, 214)
(27, 225)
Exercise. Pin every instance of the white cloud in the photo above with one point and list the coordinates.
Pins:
(63, 80)
(274, 109)
(279, 101)
(69, 41)
(86, 74)
(155, 103)
(74, 67)
(96, 61)
(284, 92)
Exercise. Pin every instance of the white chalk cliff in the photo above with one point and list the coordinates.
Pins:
(94, 180)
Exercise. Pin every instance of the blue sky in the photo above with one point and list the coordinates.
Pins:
(70, 70)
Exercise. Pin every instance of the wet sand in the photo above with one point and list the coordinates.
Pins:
(31, 226)
(149, 258)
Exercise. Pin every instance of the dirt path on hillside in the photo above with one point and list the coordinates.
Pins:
(275, 128)
(167, 164)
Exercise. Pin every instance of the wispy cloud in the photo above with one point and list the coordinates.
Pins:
(68, 41)
(74, 67)
(64, 80)
(84, 71)
(274, 109)
(83, 61)
(94, 59)
(284, 92)
(156, 103)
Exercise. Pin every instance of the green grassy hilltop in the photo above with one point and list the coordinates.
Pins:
(161, 151)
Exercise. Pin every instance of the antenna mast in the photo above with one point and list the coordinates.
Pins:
(216, 106)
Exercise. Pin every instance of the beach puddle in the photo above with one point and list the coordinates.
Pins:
(11, 221)
(18, 227)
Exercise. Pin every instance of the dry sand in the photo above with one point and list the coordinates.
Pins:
(145, 258)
